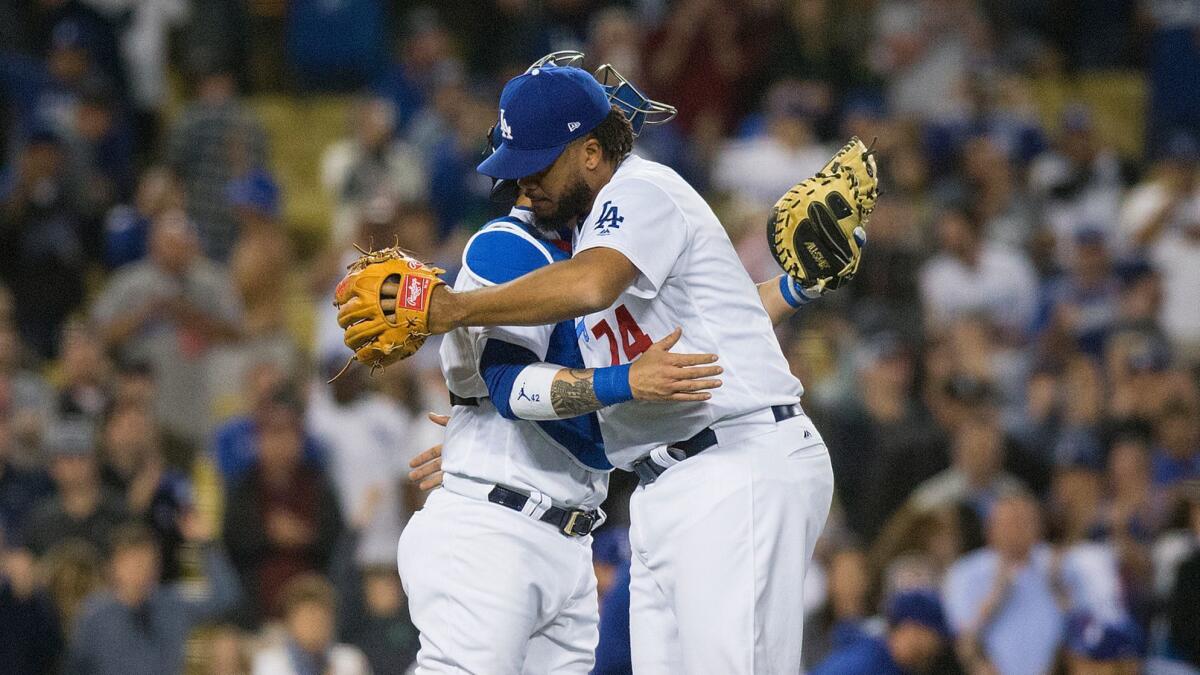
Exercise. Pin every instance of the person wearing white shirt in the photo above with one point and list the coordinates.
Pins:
(971, 276)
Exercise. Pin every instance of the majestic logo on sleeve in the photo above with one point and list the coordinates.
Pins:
(414, 294)
(608, 220)
(505, 130)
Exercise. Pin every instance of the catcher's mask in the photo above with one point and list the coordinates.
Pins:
(639, 109)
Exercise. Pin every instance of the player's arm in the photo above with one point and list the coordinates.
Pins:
(589, 282)
(523, 387)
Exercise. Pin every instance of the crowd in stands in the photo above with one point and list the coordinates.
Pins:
(1010, 388)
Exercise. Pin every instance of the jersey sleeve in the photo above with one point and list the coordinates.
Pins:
(497, 256)
(638, 219)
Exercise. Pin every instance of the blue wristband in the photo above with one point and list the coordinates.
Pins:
(792, 295)
(611, 384)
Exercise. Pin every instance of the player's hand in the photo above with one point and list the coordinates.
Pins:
(387, 300)
(659, 375)
(427, 466)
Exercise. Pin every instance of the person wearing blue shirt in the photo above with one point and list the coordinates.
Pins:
(916, 635)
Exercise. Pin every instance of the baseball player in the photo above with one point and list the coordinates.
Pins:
(498, 565)
(735, 489)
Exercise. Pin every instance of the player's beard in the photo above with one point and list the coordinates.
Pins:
(573, 205)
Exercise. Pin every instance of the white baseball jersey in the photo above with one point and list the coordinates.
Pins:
(690, 277)
(562, 459)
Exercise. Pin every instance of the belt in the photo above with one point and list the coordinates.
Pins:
(455, 399)
(570, 522)
(648, 469)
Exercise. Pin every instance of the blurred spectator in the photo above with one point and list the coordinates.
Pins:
(215, 139)
(168, 310)
(990, 185)
(262, 257)
(757, 170)
(423, 57)
(1078, 183)
(696, 59)
(136, 626)
(1176, 456)
(371, 163)
(81, 508)
(308, 612)
(976, 476)
(236, 442)
(134, 467)
(50, 23)
(127, 227)
(282, 518)
(31, 639)
(885, 445)
(1174, 254)
(916, 634)
(971, 275)
(925, 52)
(387, 636)
(1006, 603)
(359, 428)
(1083, 305)
(44, 241)
(843, 620)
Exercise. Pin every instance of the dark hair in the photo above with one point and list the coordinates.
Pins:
(615, 135)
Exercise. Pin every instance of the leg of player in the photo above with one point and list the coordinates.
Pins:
(730, 566)
(483, 581)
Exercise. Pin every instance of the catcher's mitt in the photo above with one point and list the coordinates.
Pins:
(816, 230)
(378, 334)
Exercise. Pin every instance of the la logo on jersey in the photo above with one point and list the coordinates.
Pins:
(505, 130)
(609, 220)
(415, 290)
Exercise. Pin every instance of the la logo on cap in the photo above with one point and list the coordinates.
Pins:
(505, 130)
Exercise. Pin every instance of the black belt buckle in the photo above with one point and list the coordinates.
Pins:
(579, 524)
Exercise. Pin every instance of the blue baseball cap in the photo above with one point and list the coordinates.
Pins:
(256, 191)
(920, 606)
(541, 112)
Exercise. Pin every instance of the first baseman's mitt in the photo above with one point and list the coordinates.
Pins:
(378, 336)
(816, 230)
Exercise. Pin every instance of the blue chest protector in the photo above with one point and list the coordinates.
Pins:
(500, 256)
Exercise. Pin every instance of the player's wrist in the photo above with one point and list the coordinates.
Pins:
(795, 295)
(445, 310)
(611, 384)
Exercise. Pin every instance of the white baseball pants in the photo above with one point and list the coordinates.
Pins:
(721, 542)
(495, 592)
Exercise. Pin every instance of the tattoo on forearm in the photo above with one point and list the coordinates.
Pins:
(574, 395)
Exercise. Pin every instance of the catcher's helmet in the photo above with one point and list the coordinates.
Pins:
(639, 109)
